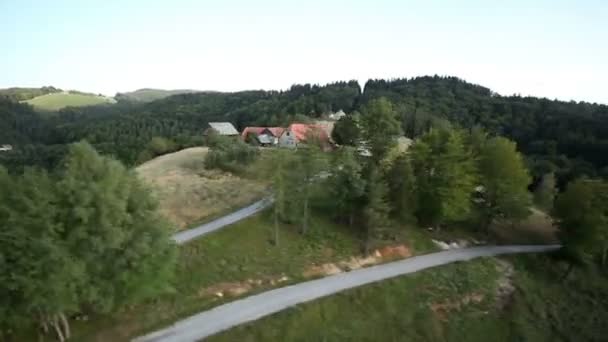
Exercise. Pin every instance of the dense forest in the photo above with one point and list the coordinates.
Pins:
(568, 138)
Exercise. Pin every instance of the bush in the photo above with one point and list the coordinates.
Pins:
(229, 155)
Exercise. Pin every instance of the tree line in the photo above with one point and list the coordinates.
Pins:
(84, 238)
(567, 139)
(447, 177)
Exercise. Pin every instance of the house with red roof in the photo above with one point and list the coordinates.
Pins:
(298, 133)
(266, 136)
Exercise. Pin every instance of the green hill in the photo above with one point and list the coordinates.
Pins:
(56, 101)
(24, 94)
(149, 94)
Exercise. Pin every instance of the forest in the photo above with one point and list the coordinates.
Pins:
(81, 212)
(567, 138)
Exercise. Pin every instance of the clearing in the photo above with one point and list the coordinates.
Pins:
(57, 101)
(188, 193)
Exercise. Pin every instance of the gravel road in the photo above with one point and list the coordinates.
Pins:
(254, 307)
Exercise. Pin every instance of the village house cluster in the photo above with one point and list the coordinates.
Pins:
(290, 136)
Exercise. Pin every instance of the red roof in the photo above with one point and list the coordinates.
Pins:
(301, 130)
(247, 130)
(276, 131)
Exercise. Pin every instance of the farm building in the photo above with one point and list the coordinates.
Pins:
(265, 136)
(222, 128)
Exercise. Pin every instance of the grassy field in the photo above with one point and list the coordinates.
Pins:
(457, 302)
(149, 95)
(236, 261)
(56, 101)
(189, 194)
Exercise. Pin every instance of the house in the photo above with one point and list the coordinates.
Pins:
(266, 136)
(222, 128)
(297, 134)
(4, 148)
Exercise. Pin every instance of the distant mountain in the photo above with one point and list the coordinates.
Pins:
(59, 100)
(149, 94)
(23, 94)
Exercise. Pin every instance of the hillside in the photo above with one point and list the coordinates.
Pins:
(568, 138)
(188, 193)
(23, 94)
(57, 101)
(149, 94)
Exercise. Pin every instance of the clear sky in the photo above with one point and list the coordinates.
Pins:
(555, 49)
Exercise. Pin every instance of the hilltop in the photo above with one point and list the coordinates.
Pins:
(59, 100)
(150, 94)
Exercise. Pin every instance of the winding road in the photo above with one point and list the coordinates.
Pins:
(254, 307)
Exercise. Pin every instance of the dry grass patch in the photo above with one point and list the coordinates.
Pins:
(188, 193)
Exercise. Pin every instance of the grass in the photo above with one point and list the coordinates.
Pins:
(56, 101)
(236, 254)
(456, 302)
(189, 194)
(401, 309)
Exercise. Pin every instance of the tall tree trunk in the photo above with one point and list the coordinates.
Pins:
(60, 336)
(66, 325)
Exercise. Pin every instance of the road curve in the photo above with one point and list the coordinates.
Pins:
(190, 234)
(254, 307)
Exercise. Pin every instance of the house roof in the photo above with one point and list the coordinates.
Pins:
(301, 130)
(276, 131)
(224, 128)
(248, 130)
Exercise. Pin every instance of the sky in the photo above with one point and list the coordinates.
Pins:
(555, 49)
